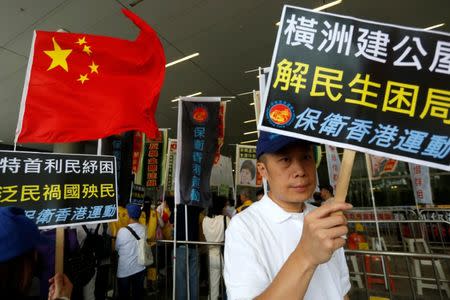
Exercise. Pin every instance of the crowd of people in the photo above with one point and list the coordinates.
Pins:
(304, 234)
(19, 259)
(22, 267)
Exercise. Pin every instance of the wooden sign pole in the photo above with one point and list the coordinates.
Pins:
(59, 251)
(59, 247)
(344, 176)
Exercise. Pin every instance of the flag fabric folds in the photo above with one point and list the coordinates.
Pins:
(84, 87)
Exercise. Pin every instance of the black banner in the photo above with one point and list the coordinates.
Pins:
(367, 86)
(171, 163)
(137, 194)
(153, 154)
(59, 189)
(198, 123)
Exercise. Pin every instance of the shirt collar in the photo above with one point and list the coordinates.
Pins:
(277, 214)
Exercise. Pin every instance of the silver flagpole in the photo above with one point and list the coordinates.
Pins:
(372, 196)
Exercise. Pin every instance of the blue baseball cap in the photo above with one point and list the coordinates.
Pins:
(272, 142)
(134, 211)
(18, 233)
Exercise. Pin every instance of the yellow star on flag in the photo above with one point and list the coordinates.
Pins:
(83, 78)
(94, 67)
(87, 49)
(81, 41)
(58, 56)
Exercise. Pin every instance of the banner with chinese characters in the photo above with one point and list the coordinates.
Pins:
(137, 194)
(367, 86)
(381, 165)
(171, 165)
(59, 189)
(221, 132)
(246, 173)
(368, 215)
(420, 178)
(247, 176)
(138, 155)
(116, 142)
(333, 164)
(154, 159)
(198, 124)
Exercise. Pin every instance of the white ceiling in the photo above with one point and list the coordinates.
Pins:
(231, 36)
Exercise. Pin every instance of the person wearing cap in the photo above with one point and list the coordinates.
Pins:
(130, 274)
(19, 238)
(282, 247)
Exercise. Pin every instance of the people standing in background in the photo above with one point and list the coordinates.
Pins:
(214, 225)
(130, 274)
(229, 210)
(164, 226)
(259, 194)
(19, 238)
(245, 200)
(317, 199)
(326, 192)
(164, 232)
(96, 288)
(187, 252)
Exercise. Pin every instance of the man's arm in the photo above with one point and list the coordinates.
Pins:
(119, 239)
(321, 236)
(346, 297)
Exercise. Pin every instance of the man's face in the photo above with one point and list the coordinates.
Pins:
(246, 176)
(291, 174)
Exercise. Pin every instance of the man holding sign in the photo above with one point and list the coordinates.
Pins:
(350, 83)
(281, 247)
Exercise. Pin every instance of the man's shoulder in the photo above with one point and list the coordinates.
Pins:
(121, 233)
(247, 217)
(132, 226)
(251, 209)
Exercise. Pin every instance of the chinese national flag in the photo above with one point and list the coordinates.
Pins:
(84, 87)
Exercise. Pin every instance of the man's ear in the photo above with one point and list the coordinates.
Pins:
(262, 169)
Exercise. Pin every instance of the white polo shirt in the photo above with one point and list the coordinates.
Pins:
(258, 242)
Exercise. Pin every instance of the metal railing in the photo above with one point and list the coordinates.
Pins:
(401, 225)
(167, 264)
(408, 231)
(410, 277)
(408, 256)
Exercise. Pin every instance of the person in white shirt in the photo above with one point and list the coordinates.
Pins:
(214, 225)
(130, 274)
(280, 247)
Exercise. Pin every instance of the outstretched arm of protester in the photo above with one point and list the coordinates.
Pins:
(60, 287)
(322, 235)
